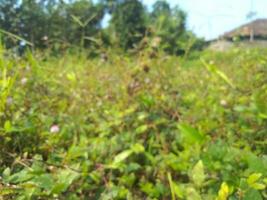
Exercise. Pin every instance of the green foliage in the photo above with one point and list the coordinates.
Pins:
(224, 192)
(128, 20)
(50, 23)
(133, 127)
(169, 25)
(61, 25)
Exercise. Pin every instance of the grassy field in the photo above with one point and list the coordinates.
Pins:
(134, 127)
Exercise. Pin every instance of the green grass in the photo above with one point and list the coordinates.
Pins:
(134, 127)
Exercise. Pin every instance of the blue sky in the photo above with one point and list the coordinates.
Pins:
(211, 18)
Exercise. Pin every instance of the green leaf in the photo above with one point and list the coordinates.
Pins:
(122, 156)
(256, 164)
(213, 69)
(71, 76)
(77, 20)
(253, 178)
(142, 116)
(6, 173)
(58, 188)
(65, 178)
(191, 134)
(192, 194)
(95, 176)
(171, 186)
(141, 129)
(198, 175)
(20, 177)
(149, 189)
(258, 186)
(138, 148)
(225, 78)
(8, 126)
(260, 102)
(44, 181)
(76, 152)
(252, 181)
(98, 42)
(178, 191)
(131, 167)
(252, 195)
(224, 192)
(14, 36)
(6, 191)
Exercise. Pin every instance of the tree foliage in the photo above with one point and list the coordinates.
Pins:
(50, 21)
(169, 24)
(128, 20)
(54, 23)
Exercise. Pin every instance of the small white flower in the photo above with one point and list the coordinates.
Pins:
(28, 68)
(147, 80)
(24, 81)
(211, 62)
(156, 42)
(54, 129)
(22, 43)
(9, 100)
(223, 102)
(99, 103)
(45, 38)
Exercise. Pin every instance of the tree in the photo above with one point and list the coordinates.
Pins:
(160, 7)
(128, 20)
(9, 19)
(85, 18)
(43, 21)
(169, 25)
(32, 21)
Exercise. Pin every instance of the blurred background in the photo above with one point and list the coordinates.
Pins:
(171, 25)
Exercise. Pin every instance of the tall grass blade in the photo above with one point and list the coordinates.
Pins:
(15, 37)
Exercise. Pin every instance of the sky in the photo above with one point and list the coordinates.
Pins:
(211, 18)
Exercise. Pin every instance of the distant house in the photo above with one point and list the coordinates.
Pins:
(253, 34)
(256, 30)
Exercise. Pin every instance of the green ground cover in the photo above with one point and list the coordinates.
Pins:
(134, 127)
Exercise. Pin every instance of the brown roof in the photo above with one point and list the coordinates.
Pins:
(259, 28)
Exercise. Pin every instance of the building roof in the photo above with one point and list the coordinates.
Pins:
(258, 27)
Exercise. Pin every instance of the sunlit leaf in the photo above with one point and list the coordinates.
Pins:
(65, 177)
(141, 129)
(8, 126)
(253, 178)
(190, 133)
(192, 194)
(224, 192)
(198, 175)
(258, 186)
(44, 181)
(213, 69)
(138, 148)
(16, 37)
(122, 156)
